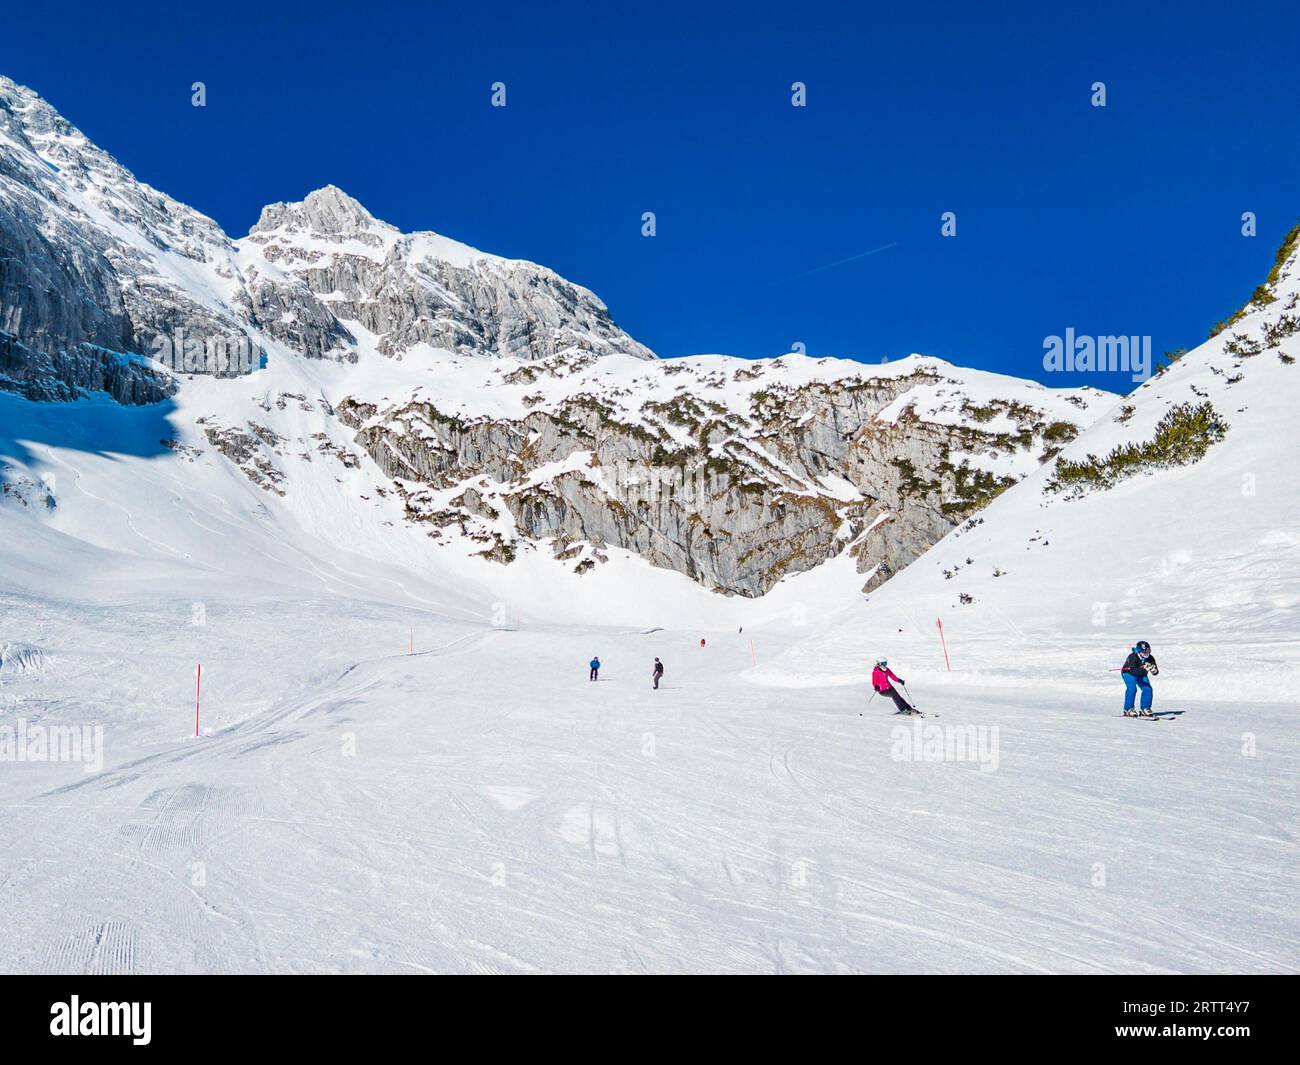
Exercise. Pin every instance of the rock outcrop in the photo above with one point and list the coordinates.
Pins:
(735, 473)
(419, 289)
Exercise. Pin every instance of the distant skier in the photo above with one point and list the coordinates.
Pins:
(1139, 665)
(701, 642)
(882, 678)
(656, 673)
(595, 668)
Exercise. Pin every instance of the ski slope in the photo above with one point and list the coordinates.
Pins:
(401, 766)
(480, 806)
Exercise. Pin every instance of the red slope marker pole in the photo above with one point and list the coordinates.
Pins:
(198, 687)
(939, 622)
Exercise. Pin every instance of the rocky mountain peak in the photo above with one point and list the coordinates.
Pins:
(327, 212)
(100, 258)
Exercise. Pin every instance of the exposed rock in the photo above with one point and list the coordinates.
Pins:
(90, 256)
(736, 490)
(412, 289)
(70, 373)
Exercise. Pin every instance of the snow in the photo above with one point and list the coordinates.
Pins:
(480, 806)
(401, 765)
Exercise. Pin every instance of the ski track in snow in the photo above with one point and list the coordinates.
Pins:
(503, 814)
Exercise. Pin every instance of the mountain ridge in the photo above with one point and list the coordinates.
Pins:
(495, 408)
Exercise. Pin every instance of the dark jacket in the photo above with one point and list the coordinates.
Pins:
(659, 669)
(1133, 664)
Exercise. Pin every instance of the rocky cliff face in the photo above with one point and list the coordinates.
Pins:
(496, 400)
(91, 256)
(733, 472)
(412, 290)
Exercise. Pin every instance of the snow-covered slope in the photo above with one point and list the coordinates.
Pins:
(1067, 569)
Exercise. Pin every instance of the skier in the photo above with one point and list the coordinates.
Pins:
(656, 673)
(595, 667)
(1139, 664)
(881, 677)
(701, 642)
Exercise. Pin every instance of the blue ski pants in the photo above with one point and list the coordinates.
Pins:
(1131, 686)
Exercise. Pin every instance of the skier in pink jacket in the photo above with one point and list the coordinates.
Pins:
(883, 679)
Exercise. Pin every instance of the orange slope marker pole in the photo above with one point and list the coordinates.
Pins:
(939, 622)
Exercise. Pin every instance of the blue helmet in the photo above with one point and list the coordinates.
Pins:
(1143, 648)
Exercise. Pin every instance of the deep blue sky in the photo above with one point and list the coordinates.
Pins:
(1119, 220)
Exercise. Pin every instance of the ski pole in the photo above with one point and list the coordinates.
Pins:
(909, 696)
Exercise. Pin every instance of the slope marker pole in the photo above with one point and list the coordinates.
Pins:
(939, 622)
(198, 688)
(752, 653)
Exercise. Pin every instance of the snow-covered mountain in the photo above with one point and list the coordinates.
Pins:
(487, 405)
(403, 292)
(368, 540)
(96, 260)
(1175, 518)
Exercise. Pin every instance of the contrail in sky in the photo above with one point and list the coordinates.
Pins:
(840, 262)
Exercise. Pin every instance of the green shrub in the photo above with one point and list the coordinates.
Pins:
(1289, 244)
(1262, 297)
(1060, 432)
(1171, 357)
(1183, 436)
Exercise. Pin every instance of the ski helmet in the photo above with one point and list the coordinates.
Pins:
(1143, 648)
(882, 661)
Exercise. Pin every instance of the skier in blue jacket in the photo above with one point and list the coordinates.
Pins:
(595, 668)
(1139, 665)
